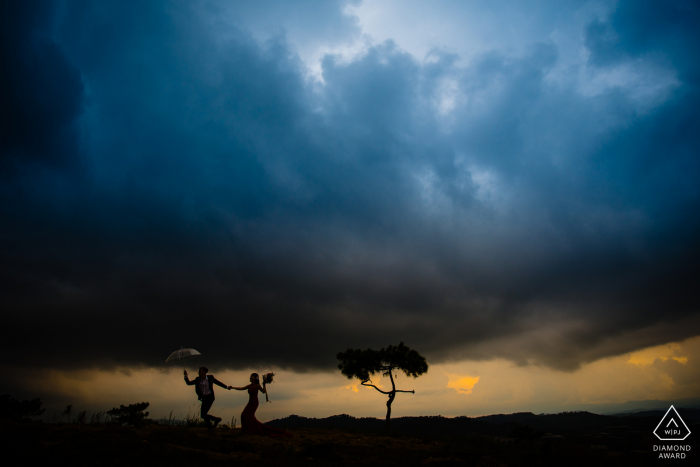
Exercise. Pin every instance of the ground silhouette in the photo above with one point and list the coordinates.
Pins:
(521, 439)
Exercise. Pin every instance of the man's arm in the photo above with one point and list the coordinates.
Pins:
(216, 381)
(187, 380)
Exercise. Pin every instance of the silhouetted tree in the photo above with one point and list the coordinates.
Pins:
(132, 414)
(19, 410)
(362, 364)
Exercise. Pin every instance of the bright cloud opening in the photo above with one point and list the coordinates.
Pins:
(463, 384)
(661, 352)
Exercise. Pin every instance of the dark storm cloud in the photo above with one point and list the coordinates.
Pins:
(40, 90)
(225, 202)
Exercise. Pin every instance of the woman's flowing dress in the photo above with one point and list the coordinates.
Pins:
(251, 425)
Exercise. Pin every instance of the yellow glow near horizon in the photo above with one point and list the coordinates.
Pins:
(662, 352)
(463, 384)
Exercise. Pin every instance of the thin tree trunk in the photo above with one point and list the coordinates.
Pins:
(388, 410)
(391, 399)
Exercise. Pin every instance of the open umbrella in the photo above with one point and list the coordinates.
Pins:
(182, 355)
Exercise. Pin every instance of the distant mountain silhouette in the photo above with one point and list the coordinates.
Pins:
(638, 406)
(494, 425)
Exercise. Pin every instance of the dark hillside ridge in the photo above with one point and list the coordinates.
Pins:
(494, 425)
(638, 406)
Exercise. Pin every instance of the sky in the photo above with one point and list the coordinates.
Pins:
(510, 188)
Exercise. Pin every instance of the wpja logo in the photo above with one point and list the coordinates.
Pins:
(672, 428)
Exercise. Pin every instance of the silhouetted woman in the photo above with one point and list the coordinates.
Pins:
(250, 424)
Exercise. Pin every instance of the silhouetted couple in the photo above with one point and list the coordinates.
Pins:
(249, 424)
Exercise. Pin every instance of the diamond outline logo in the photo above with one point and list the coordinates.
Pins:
(672, 420)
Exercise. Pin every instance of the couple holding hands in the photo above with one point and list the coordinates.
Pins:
(204, 387)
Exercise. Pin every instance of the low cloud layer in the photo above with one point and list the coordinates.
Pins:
(167, 179)
(664, 373)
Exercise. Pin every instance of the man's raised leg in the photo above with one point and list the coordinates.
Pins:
(207, 401)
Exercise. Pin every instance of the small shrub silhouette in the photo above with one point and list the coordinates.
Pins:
(13, 409)
(132, 414)
(67, 412)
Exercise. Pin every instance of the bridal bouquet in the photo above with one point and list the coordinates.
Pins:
(267, 379)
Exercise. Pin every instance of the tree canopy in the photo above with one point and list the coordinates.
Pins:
(362, 364)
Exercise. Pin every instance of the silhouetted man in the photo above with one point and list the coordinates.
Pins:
(204, 387)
